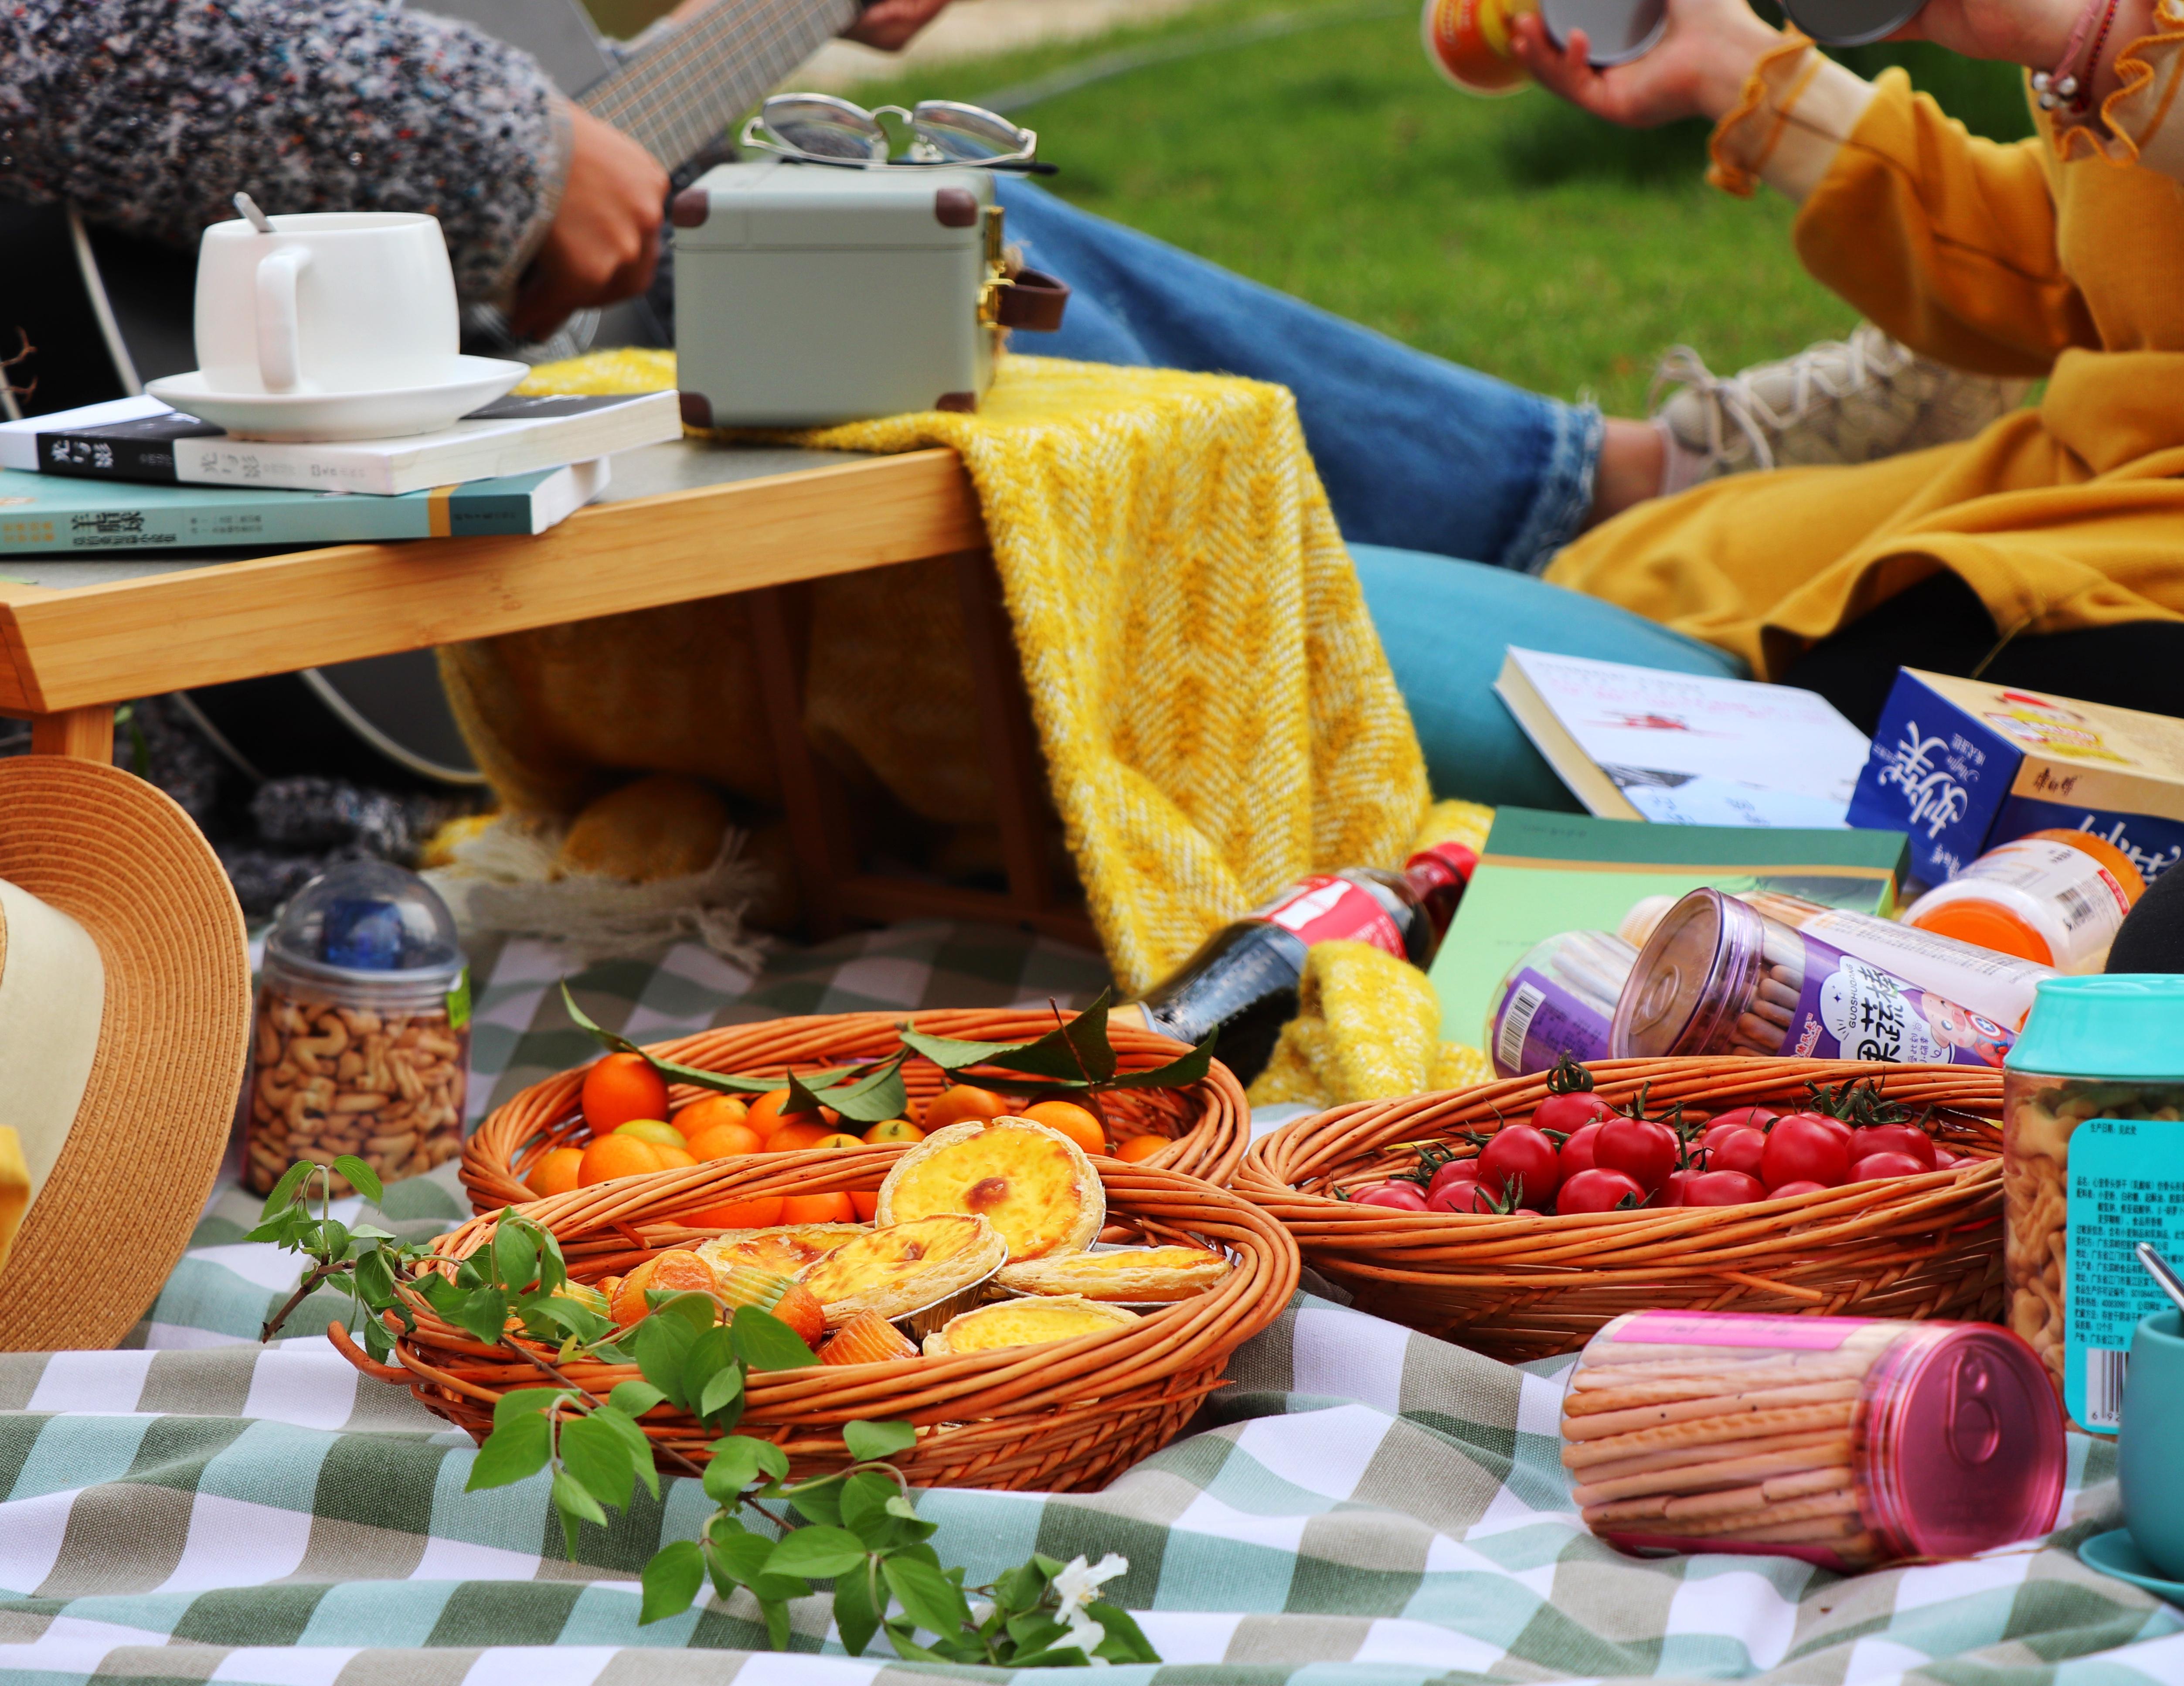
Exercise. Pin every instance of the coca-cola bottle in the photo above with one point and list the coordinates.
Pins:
(1244, 979)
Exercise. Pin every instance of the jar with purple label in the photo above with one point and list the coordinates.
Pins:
(1718, 977)
(1558, 999)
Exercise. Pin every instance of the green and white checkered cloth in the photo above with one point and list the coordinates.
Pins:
(1362, 1506)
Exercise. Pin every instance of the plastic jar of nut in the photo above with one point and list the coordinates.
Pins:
(2092, 1164)
(362, 1043)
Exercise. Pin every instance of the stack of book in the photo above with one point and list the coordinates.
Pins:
(135, 475)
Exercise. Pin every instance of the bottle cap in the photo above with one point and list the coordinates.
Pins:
(1986, 924)
(368, 924)
(2122, 1025)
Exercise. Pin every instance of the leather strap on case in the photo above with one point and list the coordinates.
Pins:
(1035, 301)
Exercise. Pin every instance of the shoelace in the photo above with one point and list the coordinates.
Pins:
(1865, 356)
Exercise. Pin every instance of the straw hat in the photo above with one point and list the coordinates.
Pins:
(125, 1022)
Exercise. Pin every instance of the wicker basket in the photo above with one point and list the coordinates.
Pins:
(1063, 1417)
(1527, 1285)
(1208, 1122)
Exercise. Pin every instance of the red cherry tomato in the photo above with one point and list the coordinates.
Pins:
(1744, 1118)
(1943, 1159)
(1565, 1114)
(1577, 1153)
(1800, 1149)
(1644, 1152)
(1893, 1138)
(1462, 1170)
(1597, 1190)
(1834, 1126)
(1461, 1195)
(1874, 1166)
(1790, 1188)
(1522, 1157)
(1673, 1190)
(1724, 1188)
(1736, 1150)
(1402, 1197)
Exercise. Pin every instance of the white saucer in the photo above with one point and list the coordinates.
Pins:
(393, 413)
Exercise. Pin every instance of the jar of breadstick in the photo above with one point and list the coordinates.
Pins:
(1719, 977)
(362, 1043)
(1848, 1442)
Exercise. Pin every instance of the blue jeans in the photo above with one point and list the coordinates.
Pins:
(1416, 453)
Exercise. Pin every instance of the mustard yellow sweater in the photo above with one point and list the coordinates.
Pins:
(2061, 256)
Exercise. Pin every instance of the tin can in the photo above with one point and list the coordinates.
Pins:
(1558, 999)
(1719, 977)
(1847, 1442)
(1468, 41)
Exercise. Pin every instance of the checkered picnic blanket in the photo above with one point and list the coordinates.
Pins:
(1362, 1506)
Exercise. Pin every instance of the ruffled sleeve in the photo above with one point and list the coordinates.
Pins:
(2140, 123)
(1798, 107)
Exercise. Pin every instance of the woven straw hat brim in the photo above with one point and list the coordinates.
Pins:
(122, 860)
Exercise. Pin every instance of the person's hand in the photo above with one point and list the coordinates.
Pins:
(1696, 69)
(889, 24)
(605, 241)
(2034, 33)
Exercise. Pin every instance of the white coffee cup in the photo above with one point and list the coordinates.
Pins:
(329, 302)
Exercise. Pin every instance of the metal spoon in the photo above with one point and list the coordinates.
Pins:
(257, 218)
(2163, 1274)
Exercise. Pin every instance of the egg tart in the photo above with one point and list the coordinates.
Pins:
(1131, 1275)
(1033, 1185)
(784, 1250)
(900, 1268)
(1024, 1323)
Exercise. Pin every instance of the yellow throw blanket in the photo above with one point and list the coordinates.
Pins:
(1216, 714)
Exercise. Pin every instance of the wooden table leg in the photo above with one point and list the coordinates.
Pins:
(79, 733)
(818, 822)
(1006, 731)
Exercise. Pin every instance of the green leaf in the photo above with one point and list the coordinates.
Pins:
(738, 1558)
(515, 1257)
(737, 1461)
(950, 1055)
(548, 1317)
(819, 1501)
(777, 1617)
(365, 1180)
(817, 1554)
(594, 1453)
(899, 1631)
(576, 1505)
(633, 1441)
(284, 1191)
(471, 1275)
(764, 1342)
(1176, 1074)
(879, 1095)
(802, 1098)
(869, 1441)
(553, 1268)
(928, 1597)
(369, 1232)
(865, 1510)
(636, 1398)
(523, 1401)
(1023, 1587)
(720, 1081)
(515, 1449)
(443, 1296)
(1074, 1050)
(723, 1388)
(856, 1607)
(711, 1354)
(1125, 1641)
(660, 1346)
(483, 1313)
(671, 1580)
(375, 1279)
(700, 1311)
(1067, 1656)
(1035, 1630)
(331, 1239)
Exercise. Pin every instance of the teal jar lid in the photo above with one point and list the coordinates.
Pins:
(2119, 1025)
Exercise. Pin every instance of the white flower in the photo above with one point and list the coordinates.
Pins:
(1076, 1587)
(981, 1607)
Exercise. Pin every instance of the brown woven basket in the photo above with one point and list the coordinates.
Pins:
(1062, 1417)
(1208, 1122)
(1527, 1285)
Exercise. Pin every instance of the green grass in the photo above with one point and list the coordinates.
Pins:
(1518, 235)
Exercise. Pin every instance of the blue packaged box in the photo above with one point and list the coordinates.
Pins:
(1963, 765)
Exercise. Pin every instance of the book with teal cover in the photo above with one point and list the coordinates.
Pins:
(50, 514)
(1544, 873)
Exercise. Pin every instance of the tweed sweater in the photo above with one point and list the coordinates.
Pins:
(150, 114)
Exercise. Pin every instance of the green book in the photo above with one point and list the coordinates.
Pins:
(60, 514)
(1544, 873)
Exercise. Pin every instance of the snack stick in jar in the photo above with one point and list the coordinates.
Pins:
(1693, 1477)
(1614, 1419)
(1839, 1509)
(1595, 1463)
(1708, 1431)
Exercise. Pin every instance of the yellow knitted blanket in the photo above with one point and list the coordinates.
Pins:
(1216, 712)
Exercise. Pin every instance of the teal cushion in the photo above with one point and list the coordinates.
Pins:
(1446, 626)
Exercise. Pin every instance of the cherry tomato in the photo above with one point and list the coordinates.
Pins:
(1461, 1170)
(1577, 1153)
(1744, 1118)
(1834, 1126)
(1522, 1157)
(1736, 1150)
(1673, 1190)
(1461, 1194)
(1800, 1148)
(1724, 1188)
(1597, 1190)
(1567, 1113)
(1402, 1196)
(1790, 1188)
(1874, 1166)
(1943, 1159)
(1893, 1138)
(1644, 1152)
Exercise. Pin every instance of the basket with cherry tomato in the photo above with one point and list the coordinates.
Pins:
(1521, 1215)
(847, 1082)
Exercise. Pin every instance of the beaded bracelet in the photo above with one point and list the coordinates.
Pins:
(2054, 86)
(2085, 94)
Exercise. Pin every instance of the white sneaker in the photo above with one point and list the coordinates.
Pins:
(1840, 401)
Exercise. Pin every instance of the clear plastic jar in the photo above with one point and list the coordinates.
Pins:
(1558, 999)
(2092, 1163)
(1848, 1442)
(362, 1043)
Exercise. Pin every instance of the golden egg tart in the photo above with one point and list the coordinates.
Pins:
(784, 1250)
(900, 1268)
(1132, 1275)
(1024, 1323)
(1033, 1185)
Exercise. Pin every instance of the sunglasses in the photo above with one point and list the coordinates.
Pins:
(818, 128)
